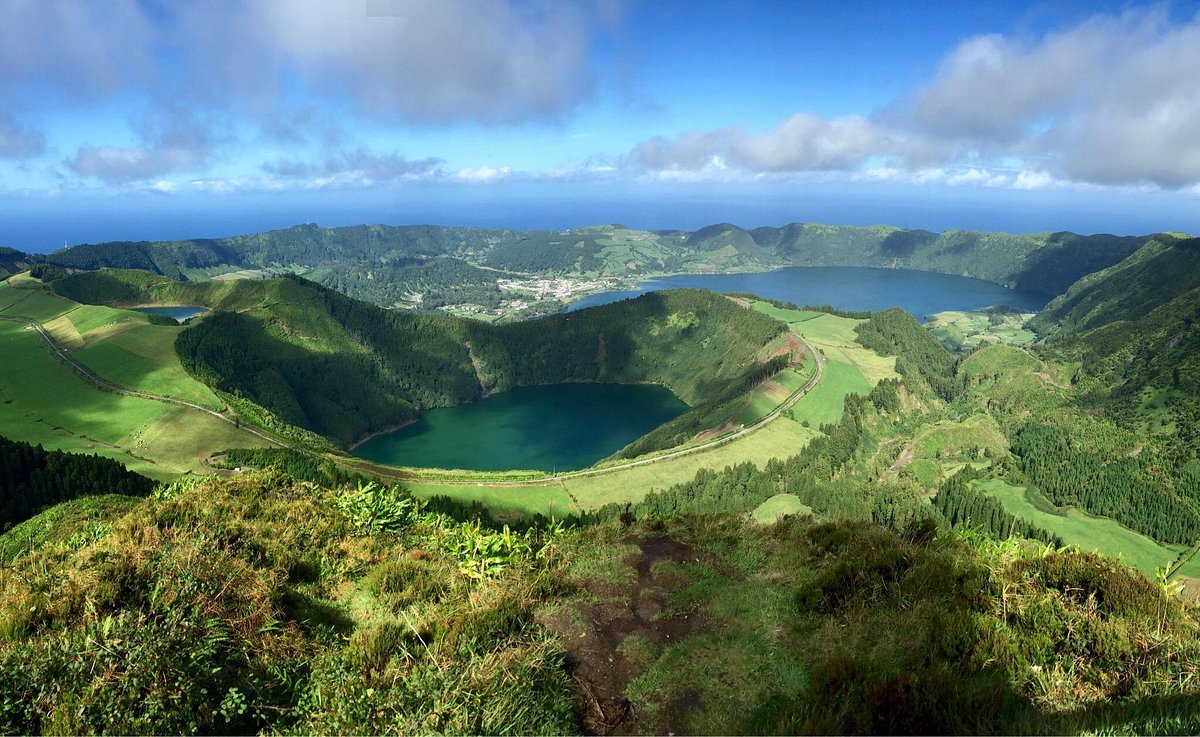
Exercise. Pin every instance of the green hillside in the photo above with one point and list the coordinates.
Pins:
(1132, 330)
(391, 265)
(263, 605)
(345, 368)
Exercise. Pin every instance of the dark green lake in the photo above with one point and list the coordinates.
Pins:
(179, 312)
(558, 427)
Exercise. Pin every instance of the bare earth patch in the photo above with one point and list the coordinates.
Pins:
(598, 636)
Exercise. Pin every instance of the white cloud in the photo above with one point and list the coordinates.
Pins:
(355, 168)
(1112, 101)
(483, 174)
(168, 142)
(1033, 180)
(803, 142)
(494, 61)
(981, 177)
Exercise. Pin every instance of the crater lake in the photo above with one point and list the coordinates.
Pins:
(556, 427)
(921, 293)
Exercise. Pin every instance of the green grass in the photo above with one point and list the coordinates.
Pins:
(1088, 532)
(778, 507)
(37, 305)
(780, 439)
(766, 397)
(948, 439)
(143, 357)
(926, 472)
(43, 401)
(550, 500)
(823, 403)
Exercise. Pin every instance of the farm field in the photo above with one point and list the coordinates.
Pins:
(43, 401)
(143, 357)
(778, 507)
(1089, 532)
(957, 329)
(823, 404)
(782, 438)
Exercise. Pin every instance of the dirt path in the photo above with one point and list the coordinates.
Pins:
(593, 634)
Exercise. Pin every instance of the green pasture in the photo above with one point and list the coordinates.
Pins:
(824, 402)
(949, 439)
(925, 472)
(550, 500)
(956, 329)
(835, 337)
(143, 357)
(34, 303)
(44, 401)
(1086, 531)
(781, 439)
(778, 507)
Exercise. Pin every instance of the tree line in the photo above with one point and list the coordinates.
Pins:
(33, 478)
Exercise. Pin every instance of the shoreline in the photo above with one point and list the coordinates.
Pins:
(382, 431)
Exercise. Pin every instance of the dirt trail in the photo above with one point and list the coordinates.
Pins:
(593, 636)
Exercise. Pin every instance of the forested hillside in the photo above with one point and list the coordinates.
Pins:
(1134, 329)
(32, 479)
(12, 261)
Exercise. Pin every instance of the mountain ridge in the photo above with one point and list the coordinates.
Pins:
(1047, 263)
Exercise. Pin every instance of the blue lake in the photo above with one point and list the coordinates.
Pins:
(569, 426)
(921, 293)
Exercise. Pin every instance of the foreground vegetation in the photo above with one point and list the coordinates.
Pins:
(263, 604)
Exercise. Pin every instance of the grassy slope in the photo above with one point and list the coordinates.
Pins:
(143, 357)
(46, 402)
(780, 439)
(1087, 531)
(778, 507)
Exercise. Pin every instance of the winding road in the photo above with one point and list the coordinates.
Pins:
(107, 385)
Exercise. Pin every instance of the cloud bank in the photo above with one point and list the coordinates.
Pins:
(1115, 100)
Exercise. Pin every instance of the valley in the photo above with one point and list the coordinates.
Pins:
(805, 424)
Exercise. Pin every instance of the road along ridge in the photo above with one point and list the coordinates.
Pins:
(107, 385)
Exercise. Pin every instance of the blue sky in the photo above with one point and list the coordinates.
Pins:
(140, 119)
